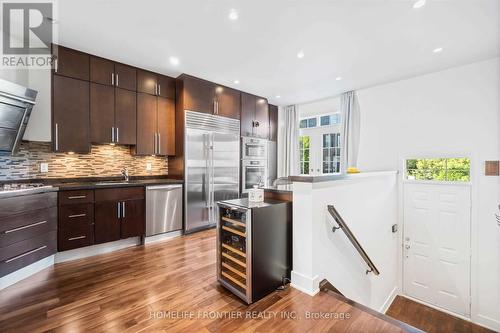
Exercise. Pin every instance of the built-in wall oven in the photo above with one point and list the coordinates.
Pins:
(253, 149)
(253, 172)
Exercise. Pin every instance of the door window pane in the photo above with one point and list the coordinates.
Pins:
(311, 122)
(303, 123)
(331, 153)
(439, 169)
(304, 154)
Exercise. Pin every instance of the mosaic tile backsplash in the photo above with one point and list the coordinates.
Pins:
(103, 161)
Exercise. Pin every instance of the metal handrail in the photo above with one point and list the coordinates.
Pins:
(342, 225)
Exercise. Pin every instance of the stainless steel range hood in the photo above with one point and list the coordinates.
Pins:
(16, 103)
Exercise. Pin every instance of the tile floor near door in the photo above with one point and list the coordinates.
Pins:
(429, 319)
(169, 286)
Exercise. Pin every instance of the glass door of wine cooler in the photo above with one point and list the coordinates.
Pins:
(234, 250)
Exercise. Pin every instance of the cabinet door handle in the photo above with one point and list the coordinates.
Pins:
(77, 197)
(112, 79)
(159, 89)
(112, 134)
(76, 238)
(159, 143)
(56, 134)
(116, 80)
(56, 65)
(118, 209)
(25, 254)
(24, 227)
(123, 209)
(117, 134)
(76, 215)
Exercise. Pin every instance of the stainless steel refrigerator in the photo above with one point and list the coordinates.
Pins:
(212, 167)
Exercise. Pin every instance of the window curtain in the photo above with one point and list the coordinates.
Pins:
(350, 111)
(288, 163)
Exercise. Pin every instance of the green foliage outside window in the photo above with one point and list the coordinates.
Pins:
(439, 169)
(304, 149)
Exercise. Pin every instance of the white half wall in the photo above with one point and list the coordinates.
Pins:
(369, 205)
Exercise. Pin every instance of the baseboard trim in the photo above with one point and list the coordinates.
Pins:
(389, 300)
(162, 237)
(304, 283)
(26, 272)
(90, 251)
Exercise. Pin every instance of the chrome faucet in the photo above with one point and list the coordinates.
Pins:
(125, 174)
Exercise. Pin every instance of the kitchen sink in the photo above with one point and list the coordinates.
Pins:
(112, 183)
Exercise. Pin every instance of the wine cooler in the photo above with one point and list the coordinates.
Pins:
(253, 246)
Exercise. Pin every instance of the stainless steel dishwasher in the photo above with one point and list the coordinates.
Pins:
(163, 209)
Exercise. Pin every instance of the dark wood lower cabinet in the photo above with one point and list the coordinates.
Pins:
(107, 221)
(28, 230)
(133, 223)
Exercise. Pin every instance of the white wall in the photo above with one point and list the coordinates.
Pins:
(324, 106)
(453, 112)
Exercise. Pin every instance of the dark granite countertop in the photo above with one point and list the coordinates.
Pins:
(245, 203)
(279, 188)
(113, 183)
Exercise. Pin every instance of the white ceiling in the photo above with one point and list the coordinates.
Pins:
(366, 42)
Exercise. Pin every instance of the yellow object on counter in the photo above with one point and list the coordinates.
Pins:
(353, 170)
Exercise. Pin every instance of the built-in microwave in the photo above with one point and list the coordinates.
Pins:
(253, 148)
(254, 172)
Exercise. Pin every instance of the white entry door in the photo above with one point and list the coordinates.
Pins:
(436, 245)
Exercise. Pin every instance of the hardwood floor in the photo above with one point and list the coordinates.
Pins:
(429, 319)
(168, 286)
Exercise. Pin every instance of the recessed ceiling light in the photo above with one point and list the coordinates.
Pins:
(437, 50)
(278, 96)
(300, 55)
(174, 61)
(419, 4)
(338, 78)
(236, 81)
(233, 15)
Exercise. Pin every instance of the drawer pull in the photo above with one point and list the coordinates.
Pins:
(77, 197)
(76, 238)
(25, 254)
(24, 227)
(77, 215)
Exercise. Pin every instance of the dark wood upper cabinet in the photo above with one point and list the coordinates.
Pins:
(228, 102)
(261, 125)
(125, 116)
(70, 115)
(254, 116)
(146, 124)
(248, 105)
(146, 82)
(125, 77)
(133, 218)
(107, 221)
(102, 113)
(198, 95)
(273, 122)
(102, 71)
(71, 63)
(166, 126)
(166, 86)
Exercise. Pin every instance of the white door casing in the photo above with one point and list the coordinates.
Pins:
(436, 244)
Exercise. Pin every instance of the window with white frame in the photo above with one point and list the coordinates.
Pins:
(304, 144)
(320, 146)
